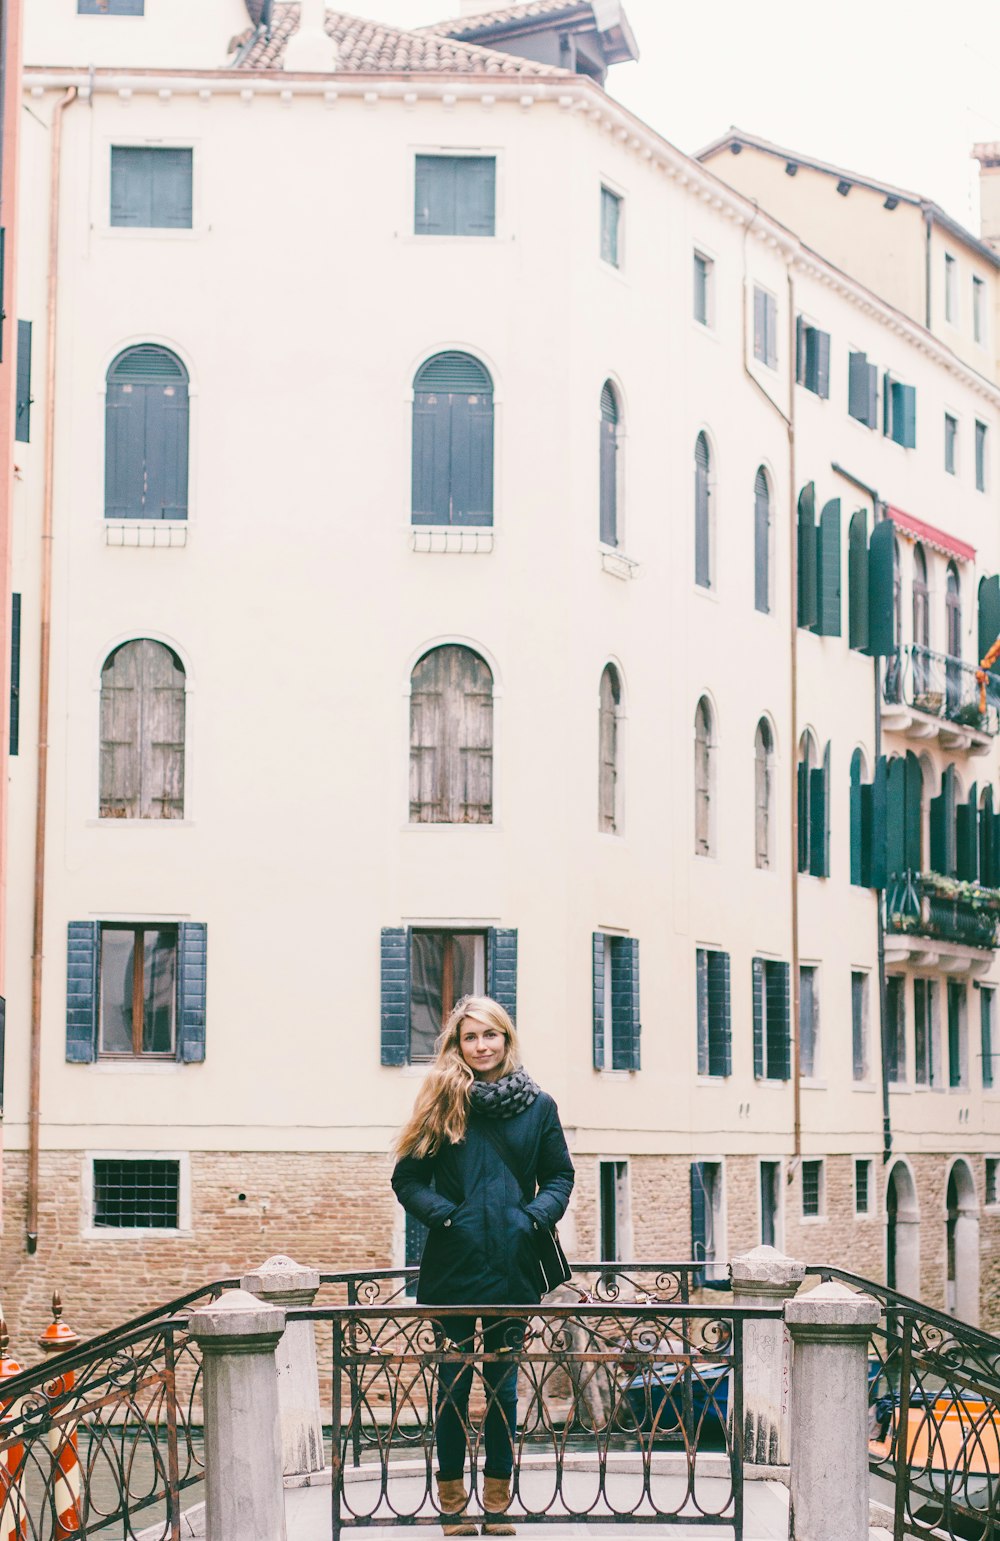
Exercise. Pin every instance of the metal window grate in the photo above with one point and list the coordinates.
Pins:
(862, 1172)
(131, 1195)
(811, 1180)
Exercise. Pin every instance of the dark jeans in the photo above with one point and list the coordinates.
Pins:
(499, 1386)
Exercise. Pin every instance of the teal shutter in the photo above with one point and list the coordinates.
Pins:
(857, 581)
(699, 1218)
(758, 1019)
(599, 954)
(828, 571)
(430, 493)
(942, 818)
(625, 1041)
(862, 390)
(967, 838)
(720, 1053)
(192, 973)
(452, 465)
(808, 605)
(907, 435)
(821, 363)
(912, 812)
(760, 325)
(779, 1022)
(22, 428)
(151, 188)
(987, 822)
(701, 993)
(172, 189)
(895, 860)
(131, 187)
(877, 867)
(475, 195)
(819, 864)
(857, 823)
(472, 459)
(434, 201)
(83, 942)
(702, 525)
(501, 968)
(395, 981)
(801, 333)
(802, 821)
(146, 447)
(881, 602)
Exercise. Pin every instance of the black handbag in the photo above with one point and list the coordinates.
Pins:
(555, 1269)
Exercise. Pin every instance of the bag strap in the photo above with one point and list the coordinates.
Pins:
(502, 1149)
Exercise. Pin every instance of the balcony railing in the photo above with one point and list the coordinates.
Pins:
(942, 687)
(927, 904)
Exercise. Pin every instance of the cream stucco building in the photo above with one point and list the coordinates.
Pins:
(433, 445)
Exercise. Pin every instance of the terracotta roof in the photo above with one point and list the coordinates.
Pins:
(368, 47)
(503, 16)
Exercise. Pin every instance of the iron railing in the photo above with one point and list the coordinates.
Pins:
(917, 902)
(934, 1418)
(591, 1282)
(940, 686)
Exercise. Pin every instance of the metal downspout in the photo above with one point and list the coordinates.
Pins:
(45, 630)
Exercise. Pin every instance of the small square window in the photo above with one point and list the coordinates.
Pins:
(611, 218)
(978, 310)
(136, 1195)
(765, 327)
(992, 1181)
(151, 189)
(950, 443)
(862, 1187)
(812, 1189)
(704, 276)
(444, 966)
(455, 195)
(950, 289)
(980, 457)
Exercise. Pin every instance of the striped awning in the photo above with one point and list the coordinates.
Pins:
(950, 545)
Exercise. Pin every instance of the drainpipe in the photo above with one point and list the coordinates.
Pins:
(45, 629)
(883, 1011)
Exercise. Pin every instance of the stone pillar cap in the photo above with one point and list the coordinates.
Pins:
(280, 1275)
(236, 1314)
(766, 1265)
(833, 1305)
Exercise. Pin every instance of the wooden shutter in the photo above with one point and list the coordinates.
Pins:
(171, 189)
(862, 391)
(801, 337)
(857, 823)
(120, 776)
(501, 968)
(451, 738)
(452, 469)
(192, 975)
(15, 675)
(819, 817)
(161, 732)
(761, 543)
(943, 829)
(430, 493)
(907, 415)
(702, 514)
(758, 1019)
(471, 458)
(83, 939)
(719, 1015)
(828, 571)
(395, 981)
(779, 1034)
(701, 987)
(124, 454)
(475, 195)
(131, 186)
(434, 195)
(895, 819)
(808, 599)
(22, 430)
(967, 837)
(802, 790)
(146, 456)
(912, 812)
(626, 1029)
(471, 758)
(881, 590)
(760, 325)
(166, 450)
(857, 581)
(699, 1218)
(599, 956)
(987, 998)
(877, 870)
(427, 747)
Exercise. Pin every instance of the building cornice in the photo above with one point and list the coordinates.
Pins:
(577, 95)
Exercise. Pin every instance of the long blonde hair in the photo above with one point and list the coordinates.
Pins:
(441, 1110)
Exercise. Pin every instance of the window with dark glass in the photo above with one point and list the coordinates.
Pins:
(138, 990)
(992, 1195)
(924, 1012)
(142, 733)
(452, 481)
(455, 195)
(151, 187)
(765, 327)
(812, 1189)
(703, 554)
(978, 310)
(812, 361)
(809, 1021)
(862, 1187)
(707, 1241)
(987, 1026)
(610, 469)
(859, 1024)
(895, 1029)
(614, 1216)
(444, 966)
(132, 1195)
(950, 444)
(770, 1203)
(956, 1034)
(451, 738)
(772, 1032)
(950, 288)
(617, 1026)
(921, 625)
(980, 457)
(611, 218)
(146, 436)
(703, 274)
(899, 405)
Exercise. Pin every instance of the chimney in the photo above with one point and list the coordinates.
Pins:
(309, 50)
(988, 156)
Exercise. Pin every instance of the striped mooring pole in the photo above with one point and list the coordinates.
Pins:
(66, 1485)
(13, 1519)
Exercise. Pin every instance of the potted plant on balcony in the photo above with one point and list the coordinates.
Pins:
(968, 715)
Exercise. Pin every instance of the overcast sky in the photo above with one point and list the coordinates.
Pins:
(897, 91)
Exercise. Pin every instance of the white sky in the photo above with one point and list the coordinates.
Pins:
(899, 91)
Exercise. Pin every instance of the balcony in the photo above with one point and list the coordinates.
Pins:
(939, 922)
(931, 695)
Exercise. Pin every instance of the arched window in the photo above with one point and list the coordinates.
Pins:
(861, 835)
(813, 808)
(921, 627)
(452, 442)
(146, 436)
(704, 780)
(764, 795)
(702, 513)
(953, 640)
(894, 663)
(451, 738)
(609, 770)
(762, 543)
(610, 469)
(142, 733)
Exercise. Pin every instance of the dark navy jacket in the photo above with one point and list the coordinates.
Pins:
(487, 1255)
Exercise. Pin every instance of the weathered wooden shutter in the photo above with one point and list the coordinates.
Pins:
(967, 837)
(472, 756)
(702, 514)
(395, 981)
(451, 738)
(608, 751)
(779, 1032)
(161, 732)
(626, 1027)
(701, 985)
(609, 467)
(15, 674)
(600, 961)
(858, 864)
(83, 942)
(819, 818)
(761, 543)
(758, 1019)
(22, 429)
(501, 968)
(699, 1219)
(192, 976)
(857, 581)
(121, 716)
(881, 590)
(828, 571)
(808, 599)
(877, 869)
(720, 1050)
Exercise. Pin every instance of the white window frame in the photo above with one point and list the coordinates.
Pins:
(758, 358)
(708, 325)
(864, 1081)
(980, 324)
(779, 1216)
(500, 230)
(820, 1216)
(871, 1212)
(982, 485)
(91, 1232)
(951, 288)
(952, 417)
(608, 185)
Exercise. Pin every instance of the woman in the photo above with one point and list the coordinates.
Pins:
(477, 1102)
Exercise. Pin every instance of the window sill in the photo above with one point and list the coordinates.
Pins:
(813, 1219)
(609, 1074)
(863, 1214)
(110, 1233)
(138, 1067)
(618, 564)
(707, 591)
(423, 825)
(145, 532)
(450, 539)
(139, 823)
(863, 1086)
(812, 1084)
(712, 1080)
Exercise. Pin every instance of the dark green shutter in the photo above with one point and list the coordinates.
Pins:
(192, 976)
(912, 812)
(801, 331)
(967, 837)
(83, 941)
(501, 968)
(599, 964)
(699, 1218)
(802, 795)
(881, 590)
(877, 871)
(987, 824)
(808, 605)
(779, 1027)
(818, 863)
(758, 1019)
(895, 859)
(907, 405)
(720, 1053)
(857, 822)
(395, 980)
(626, 1031)
(942, 816)
(22, 429)
(857, 581)
(701, 995)
(828, 571)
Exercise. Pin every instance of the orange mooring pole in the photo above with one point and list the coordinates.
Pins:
(62, 1437)
(13, 1519)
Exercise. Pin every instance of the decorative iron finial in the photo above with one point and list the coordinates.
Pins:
(56, 1305)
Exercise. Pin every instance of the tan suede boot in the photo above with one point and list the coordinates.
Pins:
(496, 1502)
(452, 1499)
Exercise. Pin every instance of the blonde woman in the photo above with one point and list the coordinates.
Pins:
(478, 1119)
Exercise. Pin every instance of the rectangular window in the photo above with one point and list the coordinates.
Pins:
(707, 1241)
(109, 7)
(770, 1203)
(987, 1019)
(809, 1021)
(613, 1177)
(900, 412)
(862, 389)
(136, 1195)
(980, 457)
(978, 310)
(950, 289)
(714, 1022)
(956, 1034)
(138, 990)
(924, 1015)
(617, 1028)
(859, 1024)
(611, 219)
(15, 672)
(704, 273)
(862, 1187)
(444, 966)
(772, 1054)
(895, 1029)
(455, 195)
(950, 443)
(812, 1190)
(992, 1181)
(151, 189)
(812, 360)
(765, 327)
(25, 400)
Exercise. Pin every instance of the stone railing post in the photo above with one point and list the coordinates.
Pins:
(244, 1493)
(765, 1277)
(830, 1328)
(282, 1282)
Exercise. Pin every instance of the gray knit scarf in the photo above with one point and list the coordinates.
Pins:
(504, 1098)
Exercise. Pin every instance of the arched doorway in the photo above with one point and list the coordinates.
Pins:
(962, 1243)
(902, 1232)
